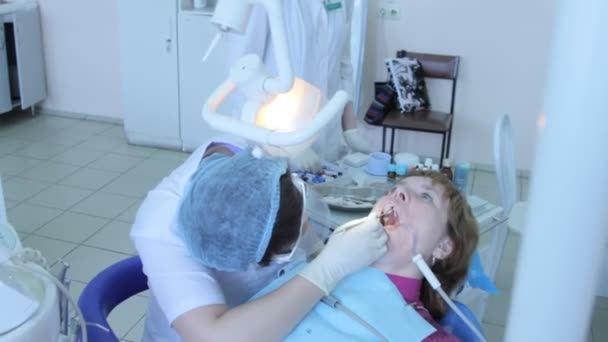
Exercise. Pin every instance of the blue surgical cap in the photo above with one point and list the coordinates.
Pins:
(229, 210)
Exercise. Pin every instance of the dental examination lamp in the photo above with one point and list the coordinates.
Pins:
(282, 114)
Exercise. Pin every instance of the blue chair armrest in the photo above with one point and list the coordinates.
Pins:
(109, 288)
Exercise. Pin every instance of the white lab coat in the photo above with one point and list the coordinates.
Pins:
(319, 45)
(177, 282)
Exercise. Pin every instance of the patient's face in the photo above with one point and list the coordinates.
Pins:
(418, 222)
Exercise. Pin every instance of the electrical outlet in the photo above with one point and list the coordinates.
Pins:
(389, 10)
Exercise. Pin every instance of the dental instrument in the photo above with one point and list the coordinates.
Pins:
(335, 303)
(281, 116)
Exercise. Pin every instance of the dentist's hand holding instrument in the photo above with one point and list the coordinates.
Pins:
(352, 246)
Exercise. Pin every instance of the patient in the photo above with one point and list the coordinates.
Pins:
(423, 214)
(430, 217)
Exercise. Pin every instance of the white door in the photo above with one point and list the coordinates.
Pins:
(5, 92)
(30, 60)
(197, 79)
(148, 57)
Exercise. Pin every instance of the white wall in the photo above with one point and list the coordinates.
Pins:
(503, 47)
(82, 56)
(502, 44)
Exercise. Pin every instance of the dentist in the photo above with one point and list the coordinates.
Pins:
(204, 264)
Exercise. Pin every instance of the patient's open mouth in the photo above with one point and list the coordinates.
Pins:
(389, 218)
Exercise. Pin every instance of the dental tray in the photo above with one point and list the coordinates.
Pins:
(350, 198)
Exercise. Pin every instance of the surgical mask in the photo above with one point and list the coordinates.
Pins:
(283, 258)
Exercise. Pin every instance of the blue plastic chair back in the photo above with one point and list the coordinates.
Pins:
(109, 288)
(457, 327)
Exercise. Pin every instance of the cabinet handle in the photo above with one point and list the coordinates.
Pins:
(168, 47)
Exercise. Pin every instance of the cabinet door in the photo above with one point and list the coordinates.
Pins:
(198, 79)
(148, 56)
(5, 92)
(30, 60)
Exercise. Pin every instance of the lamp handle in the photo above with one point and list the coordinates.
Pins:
(264, 136)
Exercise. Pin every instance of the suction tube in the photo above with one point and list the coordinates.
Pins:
(432, 279)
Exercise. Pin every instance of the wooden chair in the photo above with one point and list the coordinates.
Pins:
(430, 121)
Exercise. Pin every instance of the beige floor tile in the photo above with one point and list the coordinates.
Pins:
(115, 237)
(44, 150)
(11, 145)
(14, 165)
(76, 288)
(117, 131)
(91, 179)
(601, 303)
(19, 189)
(35, 132)
(104, 205)
(69, 137)
(72, 227)
(60, 196)
(50, 171)
(27, 218)
(494, 333)
(599, 325)
(92, 127)
(505, 274)
(103, 143)
(497, 308)
(133, 183)
(86, 262)
(129, 214)
(116, 162)
(137, 332)
(79, 156)
(170, 155)
(135, 151)
(126, 315)
(51, 249)
(10, 204)
(512, 246)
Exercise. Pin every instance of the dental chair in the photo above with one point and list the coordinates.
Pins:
(107, 290)
(126, 278)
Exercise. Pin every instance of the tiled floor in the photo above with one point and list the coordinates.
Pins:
(73, 187)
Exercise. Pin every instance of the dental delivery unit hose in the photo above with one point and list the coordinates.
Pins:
(432, 279)
(334, 303)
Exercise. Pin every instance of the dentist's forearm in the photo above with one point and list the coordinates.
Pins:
(268, 318)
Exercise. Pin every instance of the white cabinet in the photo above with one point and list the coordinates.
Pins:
(164, 82)
(148, 57)
(22, 75)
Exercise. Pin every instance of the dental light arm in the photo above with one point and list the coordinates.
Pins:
(281, 114)
(234, 14)
(263, 135)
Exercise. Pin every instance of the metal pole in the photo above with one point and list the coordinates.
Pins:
(565, 233)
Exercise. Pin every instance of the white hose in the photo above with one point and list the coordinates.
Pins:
(461, 314)
(335, 303)
(436, 285)
(19, 264)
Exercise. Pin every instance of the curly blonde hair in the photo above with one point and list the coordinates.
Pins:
(463, 230)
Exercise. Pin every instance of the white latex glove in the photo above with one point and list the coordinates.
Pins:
(355, 140)
(350, 248)
(306, 160)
